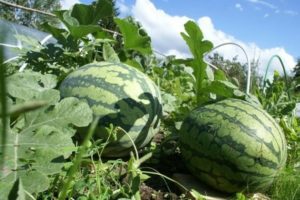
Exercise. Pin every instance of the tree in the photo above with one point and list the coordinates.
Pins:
(296, 77)
(297, 69)
(234, 70)
(30, 18)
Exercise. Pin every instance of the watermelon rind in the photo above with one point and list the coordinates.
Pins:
(122, 96)
(233, 146)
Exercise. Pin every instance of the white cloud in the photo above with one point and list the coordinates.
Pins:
(165, 29)
(239, 7)
(253, 51)
(66, 4)
(264, 3)
(266, 15)
(290, 12)
(273, 7)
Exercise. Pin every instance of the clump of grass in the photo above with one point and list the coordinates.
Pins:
(286, 186)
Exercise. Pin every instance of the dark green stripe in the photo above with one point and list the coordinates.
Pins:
(117, 89)
(86, 81)
(219, 142)
(270, 118)
(221, 161)
(265, 114)
(236, 185)
(194, 123)
(154, 107)
(281, 147)
(250, 132)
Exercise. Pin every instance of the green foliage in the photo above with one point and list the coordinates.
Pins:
(278, 97)
(39, 141)
(286, 186)
(176, 84)
(135, 38)
(207, 86)
(36, 113)
(276, 100)
(3, 106)
(77, 160)
(83, 41)
(17, 191)
(82, 19)
(233, 69)
(297, 69)
(28, 85)
(108, 22)
(198, 47)
(109, 54)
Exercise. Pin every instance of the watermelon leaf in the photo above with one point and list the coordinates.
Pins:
(198, 47)
(40, 140)
(82, 19)
(27, 85)
(90, 14)
(76, 29)
(17, 192)
(224, 89)
(34, 182)
(194, 39)
(220, 75)
(44, 141)
(109, 54)
(135, 38)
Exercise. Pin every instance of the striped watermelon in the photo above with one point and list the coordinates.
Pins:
(120, 95)
(233, 146)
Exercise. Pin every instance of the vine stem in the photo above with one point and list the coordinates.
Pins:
(247, 59)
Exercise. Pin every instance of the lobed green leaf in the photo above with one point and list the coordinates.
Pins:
(134, 37)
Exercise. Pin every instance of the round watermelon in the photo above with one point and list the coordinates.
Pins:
(122, 96)
(233, 146)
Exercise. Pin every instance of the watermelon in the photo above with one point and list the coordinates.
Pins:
(233, 146)
(120, 95)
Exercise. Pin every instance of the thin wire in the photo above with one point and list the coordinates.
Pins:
(46, 39)
(284, 71)
(26, 8)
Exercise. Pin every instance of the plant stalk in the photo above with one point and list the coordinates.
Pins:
(77, 160)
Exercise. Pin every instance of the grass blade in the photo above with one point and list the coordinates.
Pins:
(3, 114)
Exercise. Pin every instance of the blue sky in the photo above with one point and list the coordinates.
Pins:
(267, 23)
(262, 27)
